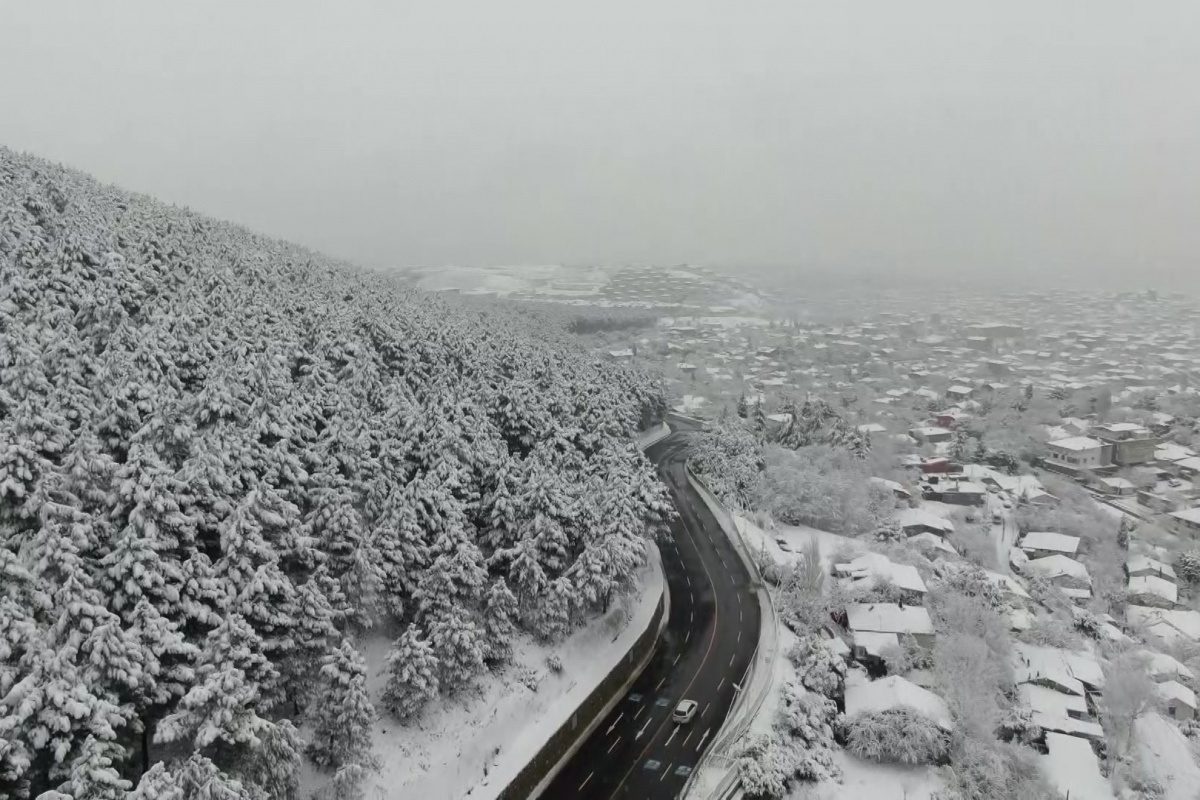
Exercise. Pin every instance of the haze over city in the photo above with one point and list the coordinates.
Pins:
(1014, 142)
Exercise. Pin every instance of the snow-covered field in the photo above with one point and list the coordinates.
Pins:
(473, 744)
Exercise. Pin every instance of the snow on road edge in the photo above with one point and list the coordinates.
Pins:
(474, 744)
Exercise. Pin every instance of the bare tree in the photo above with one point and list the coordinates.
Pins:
(1128, 693)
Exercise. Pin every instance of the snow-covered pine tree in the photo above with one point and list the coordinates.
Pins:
(93, 775)
(343, 715)
(499, 621)
(217, 717)
(412, 675)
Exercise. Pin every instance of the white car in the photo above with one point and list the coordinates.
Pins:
(684, 712)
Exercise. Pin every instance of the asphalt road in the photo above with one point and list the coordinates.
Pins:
(704, 653)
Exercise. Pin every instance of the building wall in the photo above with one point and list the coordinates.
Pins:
(1134, 451)
(1180, 710)
(1082, 459)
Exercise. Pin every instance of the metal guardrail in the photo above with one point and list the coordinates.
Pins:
(739, 719)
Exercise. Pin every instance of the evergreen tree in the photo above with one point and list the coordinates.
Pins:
(499, 621)
(743, 408)
(1124, 531)
(343, 715)
(412, 675)
(93, 774)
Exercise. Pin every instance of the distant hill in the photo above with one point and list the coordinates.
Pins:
(223, 456)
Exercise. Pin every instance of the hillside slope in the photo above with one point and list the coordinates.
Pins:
(222, 457)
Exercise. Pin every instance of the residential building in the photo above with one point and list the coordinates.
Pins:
(1078, 453)
(1179, 700)
(1148, 590)
(1186, 522)
(1038, 544)
(1143, 566)
(891, 618)
(1131, 443)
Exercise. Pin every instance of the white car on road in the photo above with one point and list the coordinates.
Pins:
(684, 712)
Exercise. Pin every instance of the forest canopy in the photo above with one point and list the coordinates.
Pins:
(222, 457)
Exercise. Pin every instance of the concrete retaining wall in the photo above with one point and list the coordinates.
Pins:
(536, 775)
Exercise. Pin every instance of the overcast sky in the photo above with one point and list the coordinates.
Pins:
(1024, 139)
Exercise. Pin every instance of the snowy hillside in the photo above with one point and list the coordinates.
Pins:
(224, 458)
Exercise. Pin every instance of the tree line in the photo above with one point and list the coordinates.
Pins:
(223, 457)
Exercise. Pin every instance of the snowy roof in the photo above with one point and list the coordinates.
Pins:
(1076, 594)
(1051, 703)
(957, 389)
(1046, 540)
(929, 430)
(1077, 443)
(1191, 515)
(895, 692)
(1070, 725)
(873, 643)
(1172, 452)
(1147, 564)
(932, 540)
(870, 567)
(1073, 768)
(965, 487)
(872, 427)
(1117, 483)
(1150, 584)
(1020, 619)
(1063, 668)
(1161, 664)
(1006, 583)
(1166, 623)
(912, 517)
(889, 618)
(895, 486)
(1060, 566)
(1174, 690)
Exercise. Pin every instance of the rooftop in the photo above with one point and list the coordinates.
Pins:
(896, 692)
(889, 618)
(1046, 540)
(1077, 443)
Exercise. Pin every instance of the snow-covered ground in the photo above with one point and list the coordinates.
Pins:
(866, 780)
(1166, 755)
(473, 744)
(795, 538)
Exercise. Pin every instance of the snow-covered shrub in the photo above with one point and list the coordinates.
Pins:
(987, 769)
(818, 668)
(908, 654)
(1187, 565)
(896, 735)
(969, 581)
(1016, 724)
(554, 662)
(800, 746)
(807, 717)
(889, 531)
(530, 678)
(1052, 632)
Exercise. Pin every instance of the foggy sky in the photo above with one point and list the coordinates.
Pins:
(1012, 140)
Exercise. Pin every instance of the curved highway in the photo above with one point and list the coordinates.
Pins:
(704, 653)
